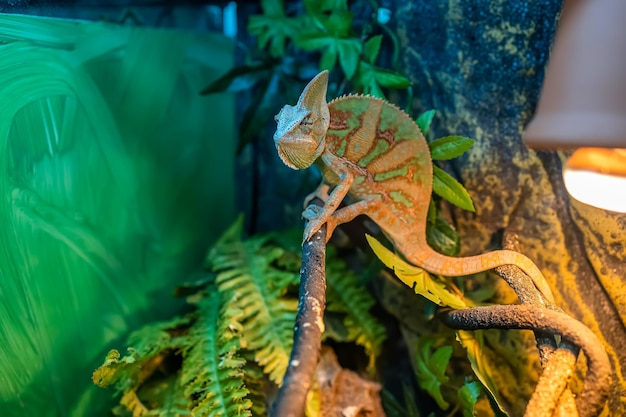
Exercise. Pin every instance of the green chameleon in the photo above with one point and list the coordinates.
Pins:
(374, 152)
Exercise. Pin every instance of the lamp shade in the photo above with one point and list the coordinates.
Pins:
(583, 102)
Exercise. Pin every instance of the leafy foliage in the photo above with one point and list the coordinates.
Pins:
(354, 302)
(430, 369)
(417, 279)
(450, 189)
(212, 374)
(443, 149)
(424, 120)
(150, 344)
(449, 147)
(210, 381)
(238, 336)
(287, 42)
(395, 409)
(468, 395)
(474, 343)
(273, 28)
(247, 279)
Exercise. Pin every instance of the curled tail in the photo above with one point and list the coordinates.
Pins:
(436, 263)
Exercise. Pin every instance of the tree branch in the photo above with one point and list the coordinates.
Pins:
(598, 380)
(551, 395)
(291, 398)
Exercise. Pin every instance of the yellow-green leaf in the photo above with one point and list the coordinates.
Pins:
(416, 278)
(449, 147)
(474, 342)
(450, 189)
(391, 79)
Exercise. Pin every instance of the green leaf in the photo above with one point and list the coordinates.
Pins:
(430, 369)
(374, 90)
(273, 7)
(273, 31)
(468, 395)
(416, 278)
(315, 41)
(239, 78)
(330, 17)
(339, 23)
(424, 120)
(372, 48)
(327, 5)
(328, 59)
(365, 80)
(450, 189)
(344, 296)
(432, 211)
(244, 270)
(391, 79)
(474, 343)
(441, 236)
(393, 408)
(212, 369)
(449, 147)
(349, 54)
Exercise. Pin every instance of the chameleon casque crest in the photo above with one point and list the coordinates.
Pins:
(374, 152)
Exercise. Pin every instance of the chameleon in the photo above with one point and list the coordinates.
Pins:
(373, 152)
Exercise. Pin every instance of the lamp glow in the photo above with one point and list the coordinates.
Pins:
(597, 177)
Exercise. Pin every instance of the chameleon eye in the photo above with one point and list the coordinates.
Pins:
(307, 121)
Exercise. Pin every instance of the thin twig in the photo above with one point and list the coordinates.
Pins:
(599, 373)
(291, 398)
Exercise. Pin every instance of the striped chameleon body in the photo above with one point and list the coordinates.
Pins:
(374, 152)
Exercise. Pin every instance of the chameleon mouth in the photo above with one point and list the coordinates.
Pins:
(300, 154)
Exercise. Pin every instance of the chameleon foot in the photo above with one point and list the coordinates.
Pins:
(314, 225)
(312, 212)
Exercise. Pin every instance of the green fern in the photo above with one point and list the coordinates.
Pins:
(248, 280)
(212, 369)
(153, 345)
(345, 296)
(150, 345)
(240, 332)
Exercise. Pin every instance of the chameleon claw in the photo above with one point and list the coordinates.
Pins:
(312, 212)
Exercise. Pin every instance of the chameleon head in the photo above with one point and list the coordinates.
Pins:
(301, 131)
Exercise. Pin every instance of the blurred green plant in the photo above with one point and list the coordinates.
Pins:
(293, 46)
(107, 194)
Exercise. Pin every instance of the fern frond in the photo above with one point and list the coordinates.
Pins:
(248, 279)
(212, 369)
(151, 344)
(256, 384)
(344, 296)
(165, 396)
